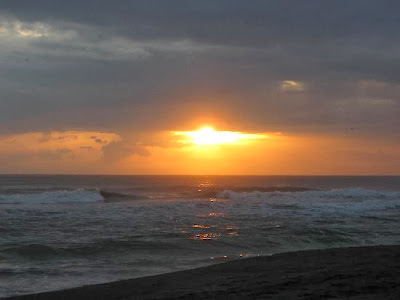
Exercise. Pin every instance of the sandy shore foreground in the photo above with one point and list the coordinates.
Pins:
(355, 273)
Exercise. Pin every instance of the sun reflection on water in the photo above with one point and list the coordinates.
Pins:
(205, 236)
(205, 183)
(199, 226)
(216, 226)
(216, 214)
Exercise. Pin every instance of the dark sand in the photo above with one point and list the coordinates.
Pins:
(355, 273)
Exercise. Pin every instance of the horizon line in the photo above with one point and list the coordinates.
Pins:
(253, 175)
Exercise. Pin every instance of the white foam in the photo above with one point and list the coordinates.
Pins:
(355, 200)
(353, 193)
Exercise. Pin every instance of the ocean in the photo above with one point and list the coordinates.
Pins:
(61, 231)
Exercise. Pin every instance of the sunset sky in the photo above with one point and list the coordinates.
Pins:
(200, 87)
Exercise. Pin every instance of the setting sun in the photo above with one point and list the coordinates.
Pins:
(210, 136)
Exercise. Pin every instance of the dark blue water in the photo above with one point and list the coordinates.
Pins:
(66, 231)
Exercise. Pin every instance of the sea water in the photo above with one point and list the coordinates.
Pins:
(59, 232)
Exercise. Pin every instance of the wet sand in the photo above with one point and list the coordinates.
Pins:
(344, 273)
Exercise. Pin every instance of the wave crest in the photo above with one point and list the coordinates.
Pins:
(344, 201)
(48, 197)
(115, 196)
(352, 193)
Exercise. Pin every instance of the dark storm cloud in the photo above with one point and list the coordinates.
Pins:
(156, 64)
(223, 20)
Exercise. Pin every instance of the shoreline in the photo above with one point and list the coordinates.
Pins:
(371, 272)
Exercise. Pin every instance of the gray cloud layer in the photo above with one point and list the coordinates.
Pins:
(158, 64)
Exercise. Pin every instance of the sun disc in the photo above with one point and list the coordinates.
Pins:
(210, 136)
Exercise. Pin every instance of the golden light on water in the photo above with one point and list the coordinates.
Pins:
(210, 136)
(200, 226)
(205, 236)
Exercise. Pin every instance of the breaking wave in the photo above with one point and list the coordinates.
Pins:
(66, 196)
(352, 193)
(58, 196)
(276, 196)
(344, 201)
(216, 192)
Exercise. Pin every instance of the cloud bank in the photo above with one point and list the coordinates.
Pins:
(316, 68)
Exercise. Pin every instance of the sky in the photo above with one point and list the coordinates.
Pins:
(103, 87)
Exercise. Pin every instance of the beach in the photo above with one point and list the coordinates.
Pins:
(343, 273)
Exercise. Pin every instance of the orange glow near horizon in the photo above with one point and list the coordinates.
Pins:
(210, 136)
(199, 152)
